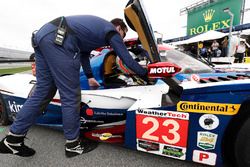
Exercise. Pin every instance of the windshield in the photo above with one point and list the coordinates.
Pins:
(186, 62)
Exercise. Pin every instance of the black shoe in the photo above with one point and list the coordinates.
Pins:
(12, 144)
(79, 147)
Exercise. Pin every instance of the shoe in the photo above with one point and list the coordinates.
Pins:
(79, 147)
(14, 144)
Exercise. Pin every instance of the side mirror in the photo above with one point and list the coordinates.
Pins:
(162, 70)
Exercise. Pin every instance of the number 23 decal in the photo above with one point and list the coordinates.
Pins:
(148, 133)
(163, 130)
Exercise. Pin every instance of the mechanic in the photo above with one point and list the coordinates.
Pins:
(61, 47)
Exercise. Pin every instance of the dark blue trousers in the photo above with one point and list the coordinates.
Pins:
(57, 67)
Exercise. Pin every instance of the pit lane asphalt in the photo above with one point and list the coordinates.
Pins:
(49, 146)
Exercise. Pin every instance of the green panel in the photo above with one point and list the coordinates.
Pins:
(212, 17)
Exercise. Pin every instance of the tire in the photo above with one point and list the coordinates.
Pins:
(4, 120)
(242, 145)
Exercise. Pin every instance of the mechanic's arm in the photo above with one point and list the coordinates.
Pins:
(121, 50)
(88, 71)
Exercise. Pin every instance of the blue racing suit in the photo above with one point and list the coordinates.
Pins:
(58, 67)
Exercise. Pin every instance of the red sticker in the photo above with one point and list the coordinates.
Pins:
(165, 130)
(89, 112)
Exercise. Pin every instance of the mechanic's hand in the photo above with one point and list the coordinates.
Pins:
(93, 82)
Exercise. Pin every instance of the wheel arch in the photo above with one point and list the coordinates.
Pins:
(232, 131)
(4, 118)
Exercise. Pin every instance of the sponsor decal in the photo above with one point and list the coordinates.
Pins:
(84, 121)
(148, 146)
(108, 113)
(162, 113)
(105, 136)
(195, 77)
(114, 114)
(161, 70)
(208, 15)
(211, 26)
(210, 108)
(173, 151)
(161, 149)
(206, 140)
(14, 108)
(165, 127)
(204, 157)
(89, 112)
(209, 121)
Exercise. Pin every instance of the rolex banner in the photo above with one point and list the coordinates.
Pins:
(212, 16)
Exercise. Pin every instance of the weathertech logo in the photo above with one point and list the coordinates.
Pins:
(163, 113)
(161, 70)
(208, 15)
(211, 108)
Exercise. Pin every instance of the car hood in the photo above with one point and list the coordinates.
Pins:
(137, 20)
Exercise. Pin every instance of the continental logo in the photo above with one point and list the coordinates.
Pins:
(208, 15)
(206, 107)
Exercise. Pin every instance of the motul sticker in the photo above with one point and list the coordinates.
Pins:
(160, 70)
(204, 157)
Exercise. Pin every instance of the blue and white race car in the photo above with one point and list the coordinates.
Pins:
(188, 111)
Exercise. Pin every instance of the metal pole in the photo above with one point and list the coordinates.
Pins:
(230, 31)
(231, 22)
(159, 40)
(242, 12)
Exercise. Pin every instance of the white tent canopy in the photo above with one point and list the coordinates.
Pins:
(246, 32)
(207, 36)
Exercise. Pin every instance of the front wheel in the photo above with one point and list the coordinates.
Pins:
(4, 120)
(242, 145)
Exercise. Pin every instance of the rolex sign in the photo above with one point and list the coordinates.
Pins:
(212, 17)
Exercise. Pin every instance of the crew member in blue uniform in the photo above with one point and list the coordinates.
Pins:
(61, 47)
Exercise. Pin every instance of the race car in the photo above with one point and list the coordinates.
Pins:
(187, 110)
(235, 67)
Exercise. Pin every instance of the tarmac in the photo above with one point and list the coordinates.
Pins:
(49, 146)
